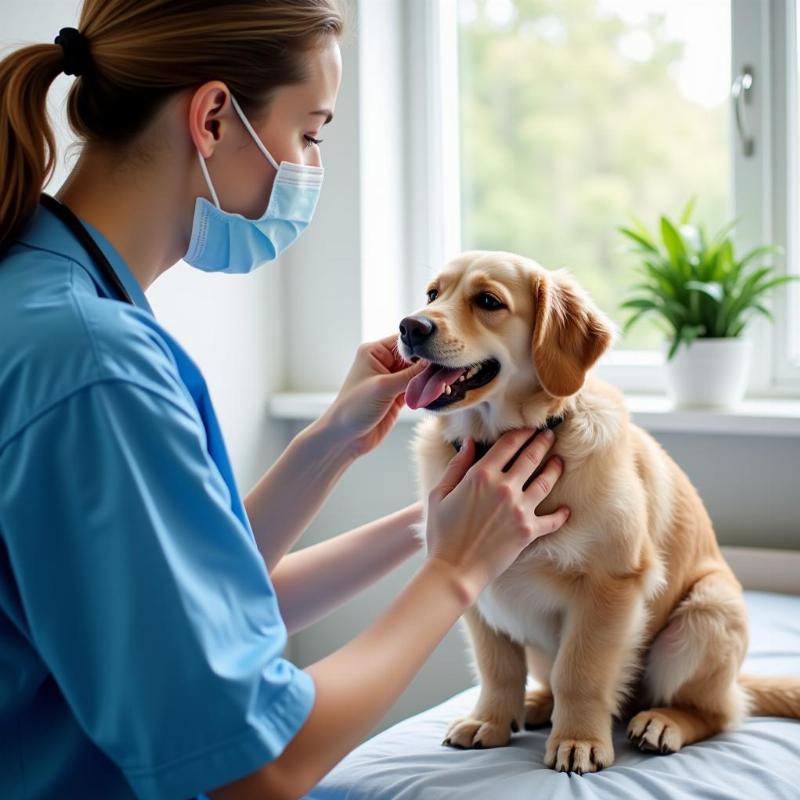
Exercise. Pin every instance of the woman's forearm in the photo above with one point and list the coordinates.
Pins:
(312, 582)
(289, 495)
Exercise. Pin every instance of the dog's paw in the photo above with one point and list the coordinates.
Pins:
(578, 755)
(472, 733)
(538, 708)
(656, 732)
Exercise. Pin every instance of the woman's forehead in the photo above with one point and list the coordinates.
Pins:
(319, 90)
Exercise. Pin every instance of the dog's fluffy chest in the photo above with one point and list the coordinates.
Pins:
(524, 607)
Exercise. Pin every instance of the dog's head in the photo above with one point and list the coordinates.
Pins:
(494, 318)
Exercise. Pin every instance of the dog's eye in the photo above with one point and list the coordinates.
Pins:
(434, 293)
(489, 302)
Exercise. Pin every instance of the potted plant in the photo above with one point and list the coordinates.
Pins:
(702, 297)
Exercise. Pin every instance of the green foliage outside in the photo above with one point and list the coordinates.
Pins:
(563, 139)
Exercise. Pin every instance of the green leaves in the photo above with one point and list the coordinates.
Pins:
(673, 242)
(643, 242)
(696, 285)
(713, 290)
(688, 209)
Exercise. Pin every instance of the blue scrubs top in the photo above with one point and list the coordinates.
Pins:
(140, 636)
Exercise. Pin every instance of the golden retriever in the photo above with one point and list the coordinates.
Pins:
(630, 609)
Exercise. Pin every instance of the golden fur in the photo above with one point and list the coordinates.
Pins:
(630, 609)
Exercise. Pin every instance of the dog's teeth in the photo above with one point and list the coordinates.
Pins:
(447, 390)
(462, 378)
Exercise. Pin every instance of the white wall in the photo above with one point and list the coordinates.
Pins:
(323, 269)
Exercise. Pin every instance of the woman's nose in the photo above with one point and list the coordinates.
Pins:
(314, 158)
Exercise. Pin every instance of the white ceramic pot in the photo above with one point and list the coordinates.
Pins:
(709, 372)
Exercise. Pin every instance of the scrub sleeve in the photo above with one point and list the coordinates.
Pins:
(141, 588)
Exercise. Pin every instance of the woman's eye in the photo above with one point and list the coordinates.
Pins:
(311, 140)
(434, 293)
(489, 302)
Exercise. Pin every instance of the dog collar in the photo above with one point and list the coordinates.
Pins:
(482, 447)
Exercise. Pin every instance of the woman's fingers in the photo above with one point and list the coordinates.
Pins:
(506, 446)
(543, 483)
(456, 469)
(531, 456)
(550, 523)
(387, 351)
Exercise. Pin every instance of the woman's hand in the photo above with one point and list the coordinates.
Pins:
(372, 394)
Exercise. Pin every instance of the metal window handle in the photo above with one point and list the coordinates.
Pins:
(741, 94)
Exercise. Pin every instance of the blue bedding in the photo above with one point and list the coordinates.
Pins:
(759, 761)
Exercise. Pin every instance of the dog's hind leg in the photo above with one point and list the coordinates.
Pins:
(693, 666)
(666, 730)
(539, 700)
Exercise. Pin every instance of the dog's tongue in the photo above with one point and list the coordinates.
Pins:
(426, 386)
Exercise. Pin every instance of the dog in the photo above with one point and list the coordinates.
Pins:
(629, 610)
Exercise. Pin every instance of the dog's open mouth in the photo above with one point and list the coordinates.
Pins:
(438, 386)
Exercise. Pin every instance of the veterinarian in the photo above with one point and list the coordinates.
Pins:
(141, 636)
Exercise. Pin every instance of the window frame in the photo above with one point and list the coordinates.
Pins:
(783, 48)
(763, 35)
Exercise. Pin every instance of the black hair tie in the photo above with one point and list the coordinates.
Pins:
(77, 58)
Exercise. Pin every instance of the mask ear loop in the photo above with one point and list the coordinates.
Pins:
(255, 136)
(208, 179)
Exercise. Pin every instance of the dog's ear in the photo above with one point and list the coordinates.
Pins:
(569, 333)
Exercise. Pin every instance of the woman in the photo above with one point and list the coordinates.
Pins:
(140, 633)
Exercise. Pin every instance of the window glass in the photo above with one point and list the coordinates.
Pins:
(576, 114)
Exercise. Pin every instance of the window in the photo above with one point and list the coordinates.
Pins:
(789, 320)
(576, 114)
(780, 194)
(548, 124)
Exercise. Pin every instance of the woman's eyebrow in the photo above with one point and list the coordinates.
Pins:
(325, 112)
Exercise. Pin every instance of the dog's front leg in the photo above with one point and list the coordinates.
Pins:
(500, 708)
(600, 634)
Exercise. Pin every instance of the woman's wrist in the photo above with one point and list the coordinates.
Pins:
(324, 438)
(463, 587)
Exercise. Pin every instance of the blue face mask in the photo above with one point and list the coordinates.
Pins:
(222, 241)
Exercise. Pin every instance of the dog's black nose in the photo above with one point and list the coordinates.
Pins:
(415, 330)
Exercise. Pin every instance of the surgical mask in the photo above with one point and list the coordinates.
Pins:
(223, 241)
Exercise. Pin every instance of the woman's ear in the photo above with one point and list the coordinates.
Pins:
(569, 332)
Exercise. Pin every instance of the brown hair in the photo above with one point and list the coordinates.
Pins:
(141, 53)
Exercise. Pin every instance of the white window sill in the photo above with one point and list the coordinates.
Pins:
(756, 417)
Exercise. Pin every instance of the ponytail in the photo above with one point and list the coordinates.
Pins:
(27, 143)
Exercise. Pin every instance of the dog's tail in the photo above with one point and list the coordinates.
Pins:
(772, 695)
